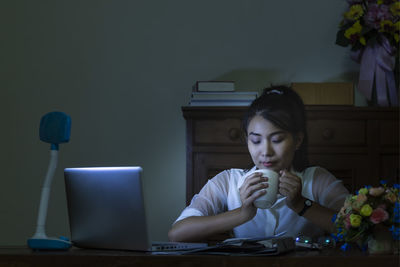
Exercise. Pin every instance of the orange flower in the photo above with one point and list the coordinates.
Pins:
(390, 196)
(361, 198)
(376, 191)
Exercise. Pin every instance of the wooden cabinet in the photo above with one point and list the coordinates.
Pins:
(359, 145)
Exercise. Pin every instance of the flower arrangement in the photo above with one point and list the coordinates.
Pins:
(366, 21)
(372, 28)
(369, 208)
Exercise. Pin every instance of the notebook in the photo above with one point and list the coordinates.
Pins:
(106, 210)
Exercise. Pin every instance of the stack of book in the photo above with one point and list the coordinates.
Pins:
(219, 93)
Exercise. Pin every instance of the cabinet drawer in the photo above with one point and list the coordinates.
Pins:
(218, 132)
(389, 132)
(320, 132)
(337, 132)
(353, 170)
(207, 165)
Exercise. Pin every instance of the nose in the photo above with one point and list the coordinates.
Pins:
(267, 149)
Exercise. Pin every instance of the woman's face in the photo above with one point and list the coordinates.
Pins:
(271, 147)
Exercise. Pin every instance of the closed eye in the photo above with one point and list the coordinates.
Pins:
(277, 140)
(255, 138)
(278, 137)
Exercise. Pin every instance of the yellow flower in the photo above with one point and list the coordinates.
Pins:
(355, 29)
(366, 210)
(396, 30)
(386, 26)
(355, 220)
(363, 191)
(395, 8)
(354, 32)
(355, 12)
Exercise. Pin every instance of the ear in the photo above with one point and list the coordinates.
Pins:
(299, 139)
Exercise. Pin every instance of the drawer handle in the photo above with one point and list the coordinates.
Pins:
(328, 134)
(234, 134)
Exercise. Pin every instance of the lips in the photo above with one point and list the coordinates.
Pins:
(268, 164)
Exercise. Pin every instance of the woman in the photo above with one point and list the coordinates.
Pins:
(275, 129)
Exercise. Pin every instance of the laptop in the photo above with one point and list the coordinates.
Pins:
(106, 210)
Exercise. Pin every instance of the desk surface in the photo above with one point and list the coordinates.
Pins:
(84, 257)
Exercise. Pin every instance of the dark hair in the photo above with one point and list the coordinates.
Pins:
(284, 108)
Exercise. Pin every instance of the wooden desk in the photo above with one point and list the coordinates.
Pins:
(103, 258)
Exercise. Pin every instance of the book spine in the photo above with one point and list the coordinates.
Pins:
(220, 102)
(214, 86)
(224, 96)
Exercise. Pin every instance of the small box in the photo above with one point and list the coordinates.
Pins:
(340, 93)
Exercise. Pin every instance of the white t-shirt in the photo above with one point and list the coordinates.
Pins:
(221, 194)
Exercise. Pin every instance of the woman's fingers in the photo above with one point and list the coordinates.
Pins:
(257, 194)
(290, 186)
(249, 191)
(252, 184)
(255, 178)
(253, 187)
(289, 193)
(248, 201)
(295, 187)
(289, 178)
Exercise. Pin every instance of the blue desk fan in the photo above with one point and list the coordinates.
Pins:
(55, 128)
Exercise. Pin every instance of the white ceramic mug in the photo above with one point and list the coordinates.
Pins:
(268, 199)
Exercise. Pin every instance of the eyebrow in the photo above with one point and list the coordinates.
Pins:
(272, 134)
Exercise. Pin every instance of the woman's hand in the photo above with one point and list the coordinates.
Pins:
(252, 188)
(290, 186)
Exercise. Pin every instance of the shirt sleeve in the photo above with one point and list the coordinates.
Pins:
(327, 190)
(211, 200)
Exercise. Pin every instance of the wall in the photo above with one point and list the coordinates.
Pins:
(122, 70)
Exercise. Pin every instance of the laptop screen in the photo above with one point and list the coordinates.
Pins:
(106, 208)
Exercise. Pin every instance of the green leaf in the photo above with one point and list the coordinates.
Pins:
(357, 46)
(341, 40)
